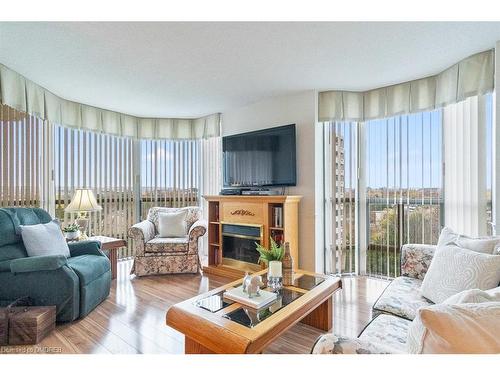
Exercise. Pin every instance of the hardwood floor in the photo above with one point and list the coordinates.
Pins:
(132, 319)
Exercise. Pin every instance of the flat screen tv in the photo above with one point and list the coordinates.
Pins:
(260, 158)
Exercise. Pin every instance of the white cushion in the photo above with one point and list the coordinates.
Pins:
(474, 296)
(454, 269)
(44, 239)
(487, 245)
(172, 224)
(458, 328)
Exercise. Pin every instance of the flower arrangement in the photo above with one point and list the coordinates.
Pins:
(71, 228)
(275, 252)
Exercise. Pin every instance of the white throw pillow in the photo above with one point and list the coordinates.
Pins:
(44, 239)
(447, 237)
(486, 245)
(454, 269)
(455, 329)
(474, 296)
(172, 224)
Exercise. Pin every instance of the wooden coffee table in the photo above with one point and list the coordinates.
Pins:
(213, 324)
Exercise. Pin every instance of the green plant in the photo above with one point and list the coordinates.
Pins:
(71, 228)
(274, 253)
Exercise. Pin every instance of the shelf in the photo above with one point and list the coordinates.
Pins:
(276, 228)
(214, 222)
(215, 244)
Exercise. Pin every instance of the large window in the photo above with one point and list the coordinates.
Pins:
(104, 163)
(404, 178)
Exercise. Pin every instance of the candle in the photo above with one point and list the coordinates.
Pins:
(274, 269)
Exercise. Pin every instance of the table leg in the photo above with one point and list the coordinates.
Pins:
(113, 259)
(194, 347)
(322, 316)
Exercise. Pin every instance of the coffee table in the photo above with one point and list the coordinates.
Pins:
(213, 324)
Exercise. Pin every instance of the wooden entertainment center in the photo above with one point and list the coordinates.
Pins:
(273, 216)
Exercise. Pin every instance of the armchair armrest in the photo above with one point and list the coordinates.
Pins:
(333, 344)
(198, 229)
(141, 233)
(85, 248)
(38, 263)
(416, 259)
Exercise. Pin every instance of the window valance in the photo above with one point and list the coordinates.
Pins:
(471, 76)
(26, 96)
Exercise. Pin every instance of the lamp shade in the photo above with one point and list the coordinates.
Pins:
(83, 201)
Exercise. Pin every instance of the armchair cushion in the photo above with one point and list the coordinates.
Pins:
(388, 330)
(38, 263)
(333, 344)
(192, 214)
(402, 297)
(172, 224)
(85, 248)
(167, 245)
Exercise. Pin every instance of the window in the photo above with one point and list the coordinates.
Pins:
(103, 163)
(170, 173)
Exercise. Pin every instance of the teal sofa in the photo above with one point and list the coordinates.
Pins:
(75, 285)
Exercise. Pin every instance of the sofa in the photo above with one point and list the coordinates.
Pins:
(155, 255)
(392, 313)
(75, 285)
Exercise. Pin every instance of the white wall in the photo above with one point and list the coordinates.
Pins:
(299, 109)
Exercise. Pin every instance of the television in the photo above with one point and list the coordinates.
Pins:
(260, 158)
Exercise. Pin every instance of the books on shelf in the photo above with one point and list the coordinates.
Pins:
(278, 217)
(256, 302)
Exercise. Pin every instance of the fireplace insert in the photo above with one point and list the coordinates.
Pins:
(238, 242)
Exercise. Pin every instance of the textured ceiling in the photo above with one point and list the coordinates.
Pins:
(192, 69)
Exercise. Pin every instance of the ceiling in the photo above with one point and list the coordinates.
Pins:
(162, 69)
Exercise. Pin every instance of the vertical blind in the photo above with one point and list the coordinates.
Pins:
(467, 157)
(170, 173)
(103, 163)
(403, 186)
(340, 153)
(25, 160)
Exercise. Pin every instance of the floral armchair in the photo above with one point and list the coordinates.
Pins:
(156, 255)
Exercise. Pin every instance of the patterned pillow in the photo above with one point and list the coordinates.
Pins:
(454, 269)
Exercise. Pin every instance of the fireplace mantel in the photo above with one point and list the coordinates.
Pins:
(276, 215)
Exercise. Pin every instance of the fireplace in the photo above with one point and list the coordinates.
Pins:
(238, 242)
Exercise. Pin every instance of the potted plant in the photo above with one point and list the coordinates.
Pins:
(272, 258)
(71, 232)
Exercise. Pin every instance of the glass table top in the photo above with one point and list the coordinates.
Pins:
(250, 317)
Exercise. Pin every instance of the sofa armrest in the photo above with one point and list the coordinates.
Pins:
(85, 248)
(38, 263)
(197, 230)
(333, 344)
(416, 259)
(141, 233)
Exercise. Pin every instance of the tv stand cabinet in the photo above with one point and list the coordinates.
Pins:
(276, 216)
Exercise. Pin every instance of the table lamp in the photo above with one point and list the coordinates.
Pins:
(83, 202)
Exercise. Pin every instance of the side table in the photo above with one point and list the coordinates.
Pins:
(112, 245)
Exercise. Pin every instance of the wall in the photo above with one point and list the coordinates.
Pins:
(299, 109)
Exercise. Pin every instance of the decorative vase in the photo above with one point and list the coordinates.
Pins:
(287, 262)
(71, 236)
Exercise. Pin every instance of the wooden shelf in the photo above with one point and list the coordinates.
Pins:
(215, 244)
(214, 222)
(276, 228)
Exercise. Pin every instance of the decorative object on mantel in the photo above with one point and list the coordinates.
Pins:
(83, 202)
(71, 232)
(272, 258)
(287, 262)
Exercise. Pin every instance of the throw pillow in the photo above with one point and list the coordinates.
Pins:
(456, 329)
(487, 245)
(44, 239)
(474, 296)
(454, 269)
(447, 237)
(172, 224)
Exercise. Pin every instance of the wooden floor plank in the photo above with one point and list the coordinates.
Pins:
(132, 319)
